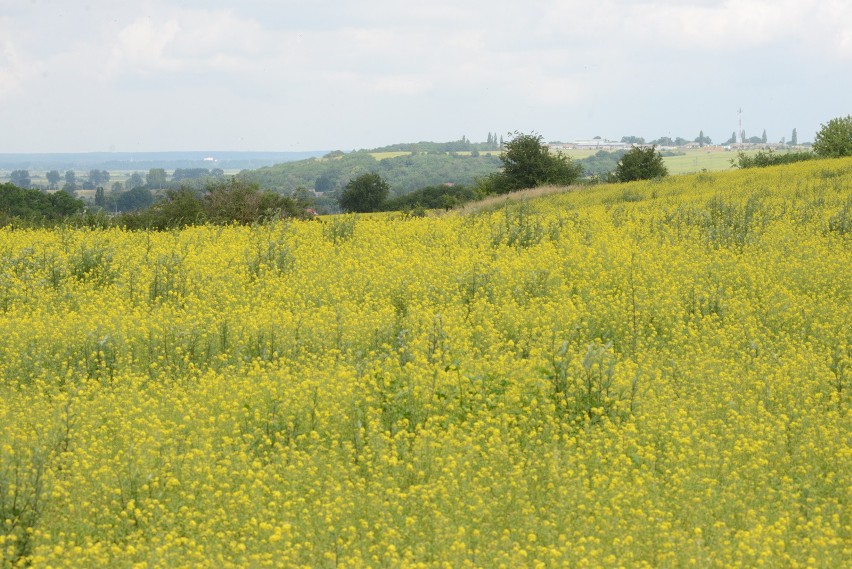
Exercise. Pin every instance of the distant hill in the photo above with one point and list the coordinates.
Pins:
(404, 173)
(112, 161)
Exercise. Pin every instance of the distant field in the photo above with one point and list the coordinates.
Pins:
(698, 159)
(383, 155)
(38, 178)
(481, 153)
(580, 153)
(692, 161)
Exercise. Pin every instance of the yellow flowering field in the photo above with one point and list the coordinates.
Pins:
(653, 374)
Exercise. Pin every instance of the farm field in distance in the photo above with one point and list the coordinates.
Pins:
(696, 160)
(652, 374)
(689, 161)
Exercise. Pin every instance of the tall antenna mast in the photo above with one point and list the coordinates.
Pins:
(741, 133)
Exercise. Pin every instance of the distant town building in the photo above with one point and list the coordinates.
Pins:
(594, 143)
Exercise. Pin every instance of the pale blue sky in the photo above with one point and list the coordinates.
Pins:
(152, 75)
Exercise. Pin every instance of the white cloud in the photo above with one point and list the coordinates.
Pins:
(190, 40)
(16, 70)
(410, 84)
(142, 45)
(819, 27)
(333, 65)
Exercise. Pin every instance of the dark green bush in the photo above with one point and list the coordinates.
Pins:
(640, 164)
(35, 206)
(769, 158)
(431, 197)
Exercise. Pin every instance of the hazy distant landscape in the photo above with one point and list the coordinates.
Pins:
(133, 161)
(405, 167)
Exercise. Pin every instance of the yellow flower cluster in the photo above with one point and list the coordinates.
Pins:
(641, 375)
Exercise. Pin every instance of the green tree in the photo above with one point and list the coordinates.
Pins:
(36, 205)
(528, 163)
(100, 197)
(53, 178)
(633, 140)
(324, 183)
(363, 194)
(178, 208)
(98, 178)
(663, 141)
(640, 164)
(181, 174)
(70, 186)
(240, 201)
(135, 199)
(303, 198)
(65, 204)
(733, 139)
(135, 181)
(431, 197)
(763, 138)
(834, 138)
(155, 179)
(21, 178)
(794, 139)
(226, 201)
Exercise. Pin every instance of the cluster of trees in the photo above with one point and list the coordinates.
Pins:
(431, 197)
(769, 158)
(330, 175)
(527, 163)
(640, 163)
(369, 192)
(668, 141)
(492, 142)
(155, 179)
(136, 193)
(22, 179)
(762, 139)
(183, 174)
(407, 173)
(833, 140)
(704, 140)
(158, 179)
(221, 202)
(600, 164)
(36, 206)
(701, 139)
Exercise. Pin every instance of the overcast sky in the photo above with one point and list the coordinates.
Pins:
(151, 75)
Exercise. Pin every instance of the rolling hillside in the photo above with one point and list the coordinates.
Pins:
(647, 374)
